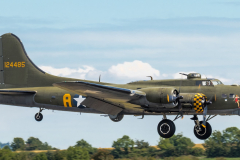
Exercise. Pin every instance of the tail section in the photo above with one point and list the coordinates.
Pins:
(16, 68)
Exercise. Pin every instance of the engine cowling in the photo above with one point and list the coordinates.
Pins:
(164, 95)
(168, 97)
(197, 100)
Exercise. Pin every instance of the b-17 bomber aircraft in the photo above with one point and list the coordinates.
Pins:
(22, 83)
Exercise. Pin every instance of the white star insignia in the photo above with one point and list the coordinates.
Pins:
(79, 100)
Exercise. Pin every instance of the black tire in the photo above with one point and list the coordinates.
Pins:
(116, 118)
(38, 117)
(205, 133)
(166, 128)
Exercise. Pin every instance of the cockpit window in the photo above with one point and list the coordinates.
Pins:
(208, 83)
(216, 83)
(198, 83)
(204, 83)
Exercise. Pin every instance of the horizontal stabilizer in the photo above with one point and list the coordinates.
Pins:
(16, 92)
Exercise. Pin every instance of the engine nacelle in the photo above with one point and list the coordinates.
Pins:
(197, 100)
(168, 97)
(116, 118)
(162, 95)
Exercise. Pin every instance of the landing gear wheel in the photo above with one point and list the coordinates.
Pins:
(166, 128)
(38, 116)
(205, 133)
(116, 118)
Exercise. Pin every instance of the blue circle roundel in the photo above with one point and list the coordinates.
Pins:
(77, 100)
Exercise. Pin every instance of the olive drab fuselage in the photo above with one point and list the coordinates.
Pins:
(221, 95)
(18, 73)
(22, 83)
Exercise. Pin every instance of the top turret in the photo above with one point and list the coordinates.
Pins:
(192, 75)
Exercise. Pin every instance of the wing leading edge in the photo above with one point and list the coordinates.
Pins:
(99, 90)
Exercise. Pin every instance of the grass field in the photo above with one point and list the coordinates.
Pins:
(219, 158)
(199, 158)
(199, 145)
(36, 151)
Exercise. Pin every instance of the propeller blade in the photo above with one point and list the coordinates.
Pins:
(180, 87)
(209, 101)
(180, 105)
(180, 109)
(204, 116)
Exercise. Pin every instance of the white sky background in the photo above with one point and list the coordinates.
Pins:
(123, 41)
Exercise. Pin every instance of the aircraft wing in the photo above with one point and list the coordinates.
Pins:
(99, 90)
(104, 98)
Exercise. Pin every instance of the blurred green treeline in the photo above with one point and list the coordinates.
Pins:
(220, 144)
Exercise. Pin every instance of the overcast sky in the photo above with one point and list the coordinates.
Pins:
(123, 41)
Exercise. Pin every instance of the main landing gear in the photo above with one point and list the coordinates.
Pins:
(200, 130)
(116, 118)
(39, 116)
(166, 128)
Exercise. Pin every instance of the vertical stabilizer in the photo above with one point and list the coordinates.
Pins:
(16, 68)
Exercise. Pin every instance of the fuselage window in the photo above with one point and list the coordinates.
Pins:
(224, 95)
(204, 83)
(198, 83)
(216, 82)
(207, 83)
(231, 95)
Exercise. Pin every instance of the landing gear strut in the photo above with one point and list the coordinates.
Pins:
(39, 116)
(166, 128)
(201, 131)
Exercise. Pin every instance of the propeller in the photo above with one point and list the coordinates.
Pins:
(205, 109)
(205, 106)
(179, 98)
(179, 104)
